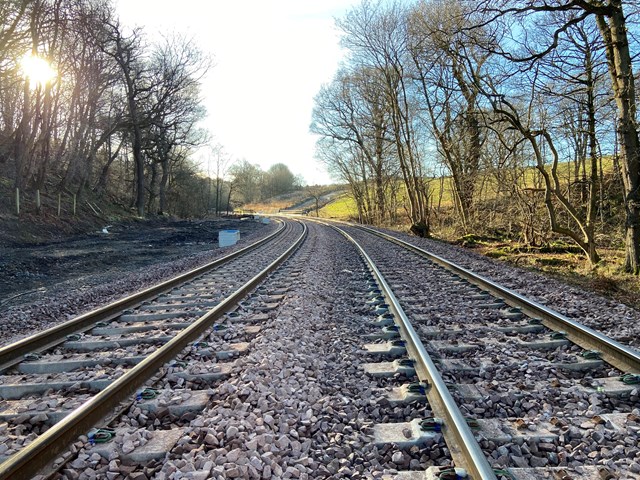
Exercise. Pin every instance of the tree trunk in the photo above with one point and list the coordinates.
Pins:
(139, 168)
(101, 186)
(229, 197)
(614, 32)
(164, 181)
(153, 183)
(20, 144)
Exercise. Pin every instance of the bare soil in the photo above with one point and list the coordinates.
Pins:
(37, 255)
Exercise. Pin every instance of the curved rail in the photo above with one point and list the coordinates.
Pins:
(28, 461)
(14, 352)
(463, 446)
(620, 356)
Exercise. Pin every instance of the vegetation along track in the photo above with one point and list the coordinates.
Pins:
(500, 368)
(114, 350)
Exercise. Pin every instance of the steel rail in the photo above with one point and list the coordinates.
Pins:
(14, 352)
(462, 444)
(624, 358)
(28, 461)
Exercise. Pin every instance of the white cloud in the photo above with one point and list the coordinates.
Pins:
(271, 56)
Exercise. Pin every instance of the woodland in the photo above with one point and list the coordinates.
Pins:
(91, 112)
(512, 118)
(87, 105)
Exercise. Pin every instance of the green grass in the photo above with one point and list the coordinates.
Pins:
(342, 208)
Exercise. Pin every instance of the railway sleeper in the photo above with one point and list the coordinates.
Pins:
(434, 332)
(18, 390)
(176, 297)
(494, 430)
(460, 366)
(177, 305)
(388, 369)
(390, 348)
(60, 364)
(176, 402)
(209, 375)
(404, 395)
(86, 345)
(543, 344)
(128, 446)
(610, 386)
(114, 329)
(149, 317)
(236, 317)
(467, 391)
(131, 329)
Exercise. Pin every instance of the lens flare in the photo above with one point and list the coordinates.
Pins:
(37, 70)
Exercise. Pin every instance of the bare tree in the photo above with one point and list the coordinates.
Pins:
(221, 163)
(316, 192)
(174, 109)
(611, 19)
(376, 35)
(246, 180)
(346, 162)
(540, 140)
(127, 52)
(446, 64)
(353, 110)
(95, 107)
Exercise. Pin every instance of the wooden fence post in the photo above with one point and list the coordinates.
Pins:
(59, 203)
(74, 204)
(17, 201)
(38, 204)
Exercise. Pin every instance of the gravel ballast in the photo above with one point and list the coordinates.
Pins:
(299, 405)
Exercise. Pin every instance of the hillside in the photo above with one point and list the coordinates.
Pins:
(298, 202)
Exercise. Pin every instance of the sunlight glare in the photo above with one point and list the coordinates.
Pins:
(37, 70)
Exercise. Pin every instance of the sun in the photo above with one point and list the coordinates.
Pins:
(37, 70)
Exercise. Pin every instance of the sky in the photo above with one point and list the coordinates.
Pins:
(270, 59)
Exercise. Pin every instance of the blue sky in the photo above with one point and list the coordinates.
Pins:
(270, 56)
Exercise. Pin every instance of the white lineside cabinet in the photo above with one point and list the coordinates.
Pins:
(226, 238)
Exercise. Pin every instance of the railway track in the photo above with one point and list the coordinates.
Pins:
(519, 390)
(88, 369)
(270, 384)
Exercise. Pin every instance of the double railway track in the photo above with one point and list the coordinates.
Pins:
(516, 390)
